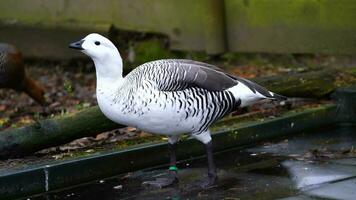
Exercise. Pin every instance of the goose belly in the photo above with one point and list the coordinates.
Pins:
(153, 118)
(168, 113)
(166, 122)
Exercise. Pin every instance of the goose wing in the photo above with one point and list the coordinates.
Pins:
(178, 74)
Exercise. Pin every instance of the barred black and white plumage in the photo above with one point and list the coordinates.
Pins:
(176, 86)
(169, 97)
(160, 85)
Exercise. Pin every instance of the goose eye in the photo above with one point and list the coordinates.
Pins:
(97, 43)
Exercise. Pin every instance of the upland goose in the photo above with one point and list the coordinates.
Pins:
(168, 97)
(13, 74)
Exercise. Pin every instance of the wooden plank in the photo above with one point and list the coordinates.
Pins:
(53, 132)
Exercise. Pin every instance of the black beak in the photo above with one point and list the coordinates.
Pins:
(77, 45)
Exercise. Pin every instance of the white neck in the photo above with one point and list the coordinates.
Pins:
(108, 69)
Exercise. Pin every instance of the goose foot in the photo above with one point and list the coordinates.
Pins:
(203, 184)
(207, 182)
(162, 182)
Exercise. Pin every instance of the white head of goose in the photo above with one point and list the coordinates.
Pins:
(168, 97)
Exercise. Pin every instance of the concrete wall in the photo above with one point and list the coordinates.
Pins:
(214, 26)
(297, 26)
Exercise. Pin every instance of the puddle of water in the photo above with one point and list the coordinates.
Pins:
(307, 175)
(263, 172)
(338, 190)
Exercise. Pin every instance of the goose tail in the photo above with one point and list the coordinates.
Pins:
(277, 97)
(249, 92)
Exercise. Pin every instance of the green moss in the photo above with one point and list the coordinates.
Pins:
(323, 13)
(136, 141)
(304, 26)
(150, 50)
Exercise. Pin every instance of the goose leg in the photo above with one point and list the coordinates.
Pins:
(210, 180)
(171, 177)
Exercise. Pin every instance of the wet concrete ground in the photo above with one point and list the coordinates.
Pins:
(315, 165)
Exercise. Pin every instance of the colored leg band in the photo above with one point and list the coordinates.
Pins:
(173, 168)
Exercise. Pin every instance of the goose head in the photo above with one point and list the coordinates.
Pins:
(103, 52)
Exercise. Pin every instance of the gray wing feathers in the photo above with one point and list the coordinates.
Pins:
(179, 74)
(199, 74)
(254, 87)
(193, 62)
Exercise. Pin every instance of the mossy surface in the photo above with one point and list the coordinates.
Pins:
(305, 26)
(149, 50)
(274, 26)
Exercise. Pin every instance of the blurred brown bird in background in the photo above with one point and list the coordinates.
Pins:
(13, 74)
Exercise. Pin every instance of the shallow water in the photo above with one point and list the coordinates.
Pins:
(282, 169)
